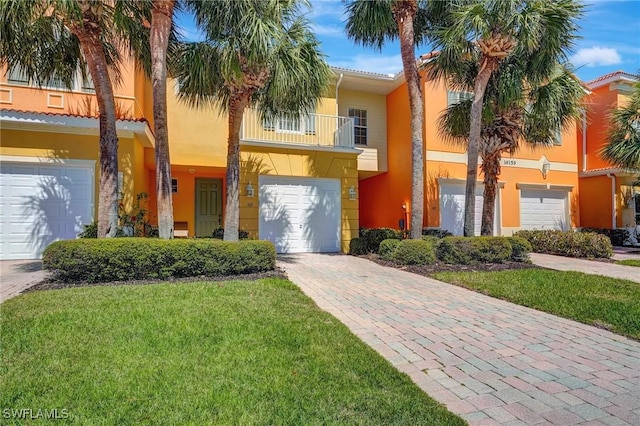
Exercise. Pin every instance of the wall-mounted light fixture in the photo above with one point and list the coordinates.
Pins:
(352, 193)
(249, 190)
(192, 171)
(404, 206)
(546, 166)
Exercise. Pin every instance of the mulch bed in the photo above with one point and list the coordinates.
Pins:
(56, 285)
(429, 270)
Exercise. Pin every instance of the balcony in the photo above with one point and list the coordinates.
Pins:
(311, 131)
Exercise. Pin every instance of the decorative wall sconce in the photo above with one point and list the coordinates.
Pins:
(546, 166)
(352, 193)
(249, 190)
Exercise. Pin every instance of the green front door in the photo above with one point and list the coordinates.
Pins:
(208, 206)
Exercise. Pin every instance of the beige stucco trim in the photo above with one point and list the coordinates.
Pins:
(9, 99)
(523, 163)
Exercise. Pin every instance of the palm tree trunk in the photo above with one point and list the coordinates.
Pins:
(161, 18)
(404, 13)
(232, 207)
(475, 128)
(89, 36)
(491, 171)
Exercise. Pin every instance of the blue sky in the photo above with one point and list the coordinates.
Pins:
(610, 40)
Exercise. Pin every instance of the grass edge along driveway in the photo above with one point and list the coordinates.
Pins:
(591, 299)
(239, 352)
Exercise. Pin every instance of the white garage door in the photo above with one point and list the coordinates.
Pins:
(300, 214)
(543, 209)
(42, 203)
(452, 209)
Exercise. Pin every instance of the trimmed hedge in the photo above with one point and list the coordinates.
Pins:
(436, 232)
(358, 247)
(568, 243)
(520, 249)
(474, 250)
(387, 248)
(617, 236)
(414, 252)
(374, 236)
(121, 259)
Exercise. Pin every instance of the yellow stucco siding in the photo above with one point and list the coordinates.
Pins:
(271, 161)
(62, 146)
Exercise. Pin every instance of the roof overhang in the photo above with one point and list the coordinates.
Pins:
(616, 171)
(381, 84)
(59, 123)
(618, 78)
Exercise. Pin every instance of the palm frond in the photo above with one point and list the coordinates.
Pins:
(623, 138)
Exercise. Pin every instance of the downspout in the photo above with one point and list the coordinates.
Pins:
(338, 85)
(584, 140)
(613, 200)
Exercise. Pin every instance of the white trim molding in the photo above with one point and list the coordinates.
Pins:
(525, 186)
(59, 123)
(9, 99)
(59, 97)
(458, 181)
(46, 160)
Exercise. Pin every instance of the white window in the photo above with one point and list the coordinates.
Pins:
(457, 97)
(17, 76)
(360, 124)
(302, 124)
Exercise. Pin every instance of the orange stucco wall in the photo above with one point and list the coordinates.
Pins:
(599, 105)
(382, 196)
(596, 202)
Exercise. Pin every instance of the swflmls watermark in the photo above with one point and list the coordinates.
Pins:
(31, 414)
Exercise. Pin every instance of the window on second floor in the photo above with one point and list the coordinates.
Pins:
(557, 137)
(457, 97)
(360, 124)
(17, 76)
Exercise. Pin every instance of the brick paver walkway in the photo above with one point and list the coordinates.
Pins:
(595, 267)
(489, 361)
(18, 275)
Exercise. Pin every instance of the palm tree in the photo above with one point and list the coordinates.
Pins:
(49, 39)
(258, 53)
(372, 23)
(518, 107)
(161, 32)
(623, 138)
(491, 31)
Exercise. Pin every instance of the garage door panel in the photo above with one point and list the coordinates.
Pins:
(543, 209)
(41, 204)
(300, 215)
(452, 209)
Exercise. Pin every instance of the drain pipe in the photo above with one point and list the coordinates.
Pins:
(338, 85)
(584, 140)
(613, 200)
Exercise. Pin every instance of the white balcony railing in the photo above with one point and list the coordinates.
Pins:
(307, 130)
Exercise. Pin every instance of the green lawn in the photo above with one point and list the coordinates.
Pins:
(591, 299)
(226, 353)
(629, 262)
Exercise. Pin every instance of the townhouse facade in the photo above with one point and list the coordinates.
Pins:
(307, 184)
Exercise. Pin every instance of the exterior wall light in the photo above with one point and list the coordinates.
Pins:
(546, 166)
(249, 190)
(352, 193)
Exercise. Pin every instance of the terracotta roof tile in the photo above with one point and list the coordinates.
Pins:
(56, 114)
(612, 74)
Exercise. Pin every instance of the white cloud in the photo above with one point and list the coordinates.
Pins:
(378, 63)
(327, 8)
(328, 30)
(596, 56)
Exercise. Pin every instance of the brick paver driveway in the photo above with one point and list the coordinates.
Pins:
(490, 361)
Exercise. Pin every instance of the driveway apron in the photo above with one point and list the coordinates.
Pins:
(487, 360)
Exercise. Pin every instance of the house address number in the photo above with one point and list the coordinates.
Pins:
(506, 162)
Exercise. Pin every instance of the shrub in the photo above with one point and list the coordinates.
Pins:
(520, 249)
(474, 250)
(435, 241)
(374, 236)
(358, 247)
(617, 236)
(218, 234)
(388, 248)
(436, 232)
(568, 243)
(118, 259)
(414, 252)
